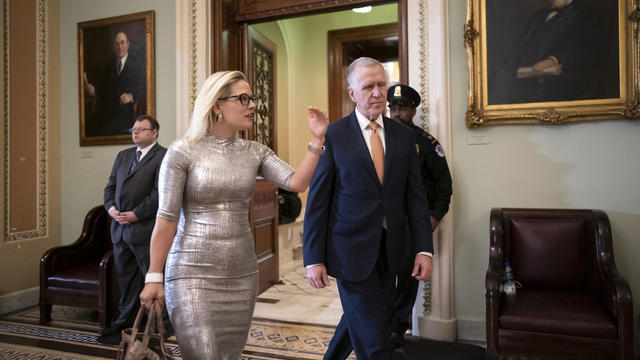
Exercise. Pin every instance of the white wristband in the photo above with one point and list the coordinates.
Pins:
(154, 278)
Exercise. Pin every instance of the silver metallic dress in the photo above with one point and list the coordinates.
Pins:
(211, 274)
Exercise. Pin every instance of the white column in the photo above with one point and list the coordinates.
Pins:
(193, 56)
(429, 74)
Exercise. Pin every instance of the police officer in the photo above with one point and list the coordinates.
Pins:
(403, 101)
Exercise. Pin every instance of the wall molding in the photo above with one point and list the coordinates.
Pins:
(42, 69)
(19, 300)
(193, 56)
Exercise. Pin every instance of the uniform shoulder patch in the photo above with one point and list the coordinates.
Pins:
(439, 150)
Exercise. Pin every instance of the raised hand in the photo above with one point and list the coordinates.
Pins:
(318, 122)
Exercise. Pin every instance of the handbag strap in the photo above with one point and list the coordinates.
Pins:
(136, 323)
(151, 320)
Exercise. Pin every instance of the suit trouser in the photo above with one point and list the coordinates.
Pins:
(131, 264)
(405, 297)
(364, 326)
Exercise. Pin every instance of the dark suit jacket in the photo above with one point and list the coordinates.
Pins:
(346, 202)
(575, 36)
(136, 191)
(120, 117)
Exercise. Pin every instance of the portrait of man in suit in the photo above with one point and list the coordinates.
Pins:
(116, 76)
(365, 185)
(122, 84)
(131, 198)
(553, 50)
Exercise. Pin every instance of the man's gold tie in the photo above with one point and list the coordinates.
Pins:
(377, 151)
(377, 154)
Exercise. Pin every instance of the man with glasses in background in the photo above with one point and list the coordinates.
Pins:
(131, 198)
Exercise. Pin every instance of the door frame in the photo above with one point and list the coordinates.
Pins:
(337, 77)
(229, 36)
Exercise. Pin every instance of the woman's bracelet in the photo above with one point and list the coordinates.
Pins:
(156, 277)
(315, 150)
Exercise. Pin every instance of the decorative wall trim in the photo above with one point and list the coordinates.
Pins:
(423, 21)
(19, 300)
(193, 58)
(193, 50)
(246, 14)
(42, 126)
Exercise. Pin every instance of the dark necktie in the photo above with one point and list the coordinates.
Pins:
(135, 161)
(119, 66)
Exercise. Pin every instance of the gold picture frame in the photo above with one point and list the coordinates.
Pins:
(509, 83)
(115, 88)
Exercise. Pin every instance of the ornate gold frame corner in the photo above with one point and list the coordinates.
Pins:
(481, 114)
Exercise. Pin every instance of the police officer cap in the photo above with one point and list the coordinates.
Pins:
(403, 95)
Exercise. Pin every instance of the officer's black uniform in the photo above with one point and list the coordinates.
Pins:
(437, 186)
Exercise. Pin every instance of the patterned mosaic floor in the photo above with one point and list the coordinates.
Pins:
(73, 332)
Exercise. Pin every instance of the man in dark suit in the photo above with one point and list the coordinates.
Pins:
(122, 85)
(365, 184)
(556, 57)
(131, 198)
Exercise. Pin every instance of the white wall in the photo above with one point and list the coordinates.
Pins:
(587, 165)
(85, 169)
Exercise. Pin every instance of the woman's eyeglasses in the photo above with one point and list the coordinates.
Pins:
(243, 98)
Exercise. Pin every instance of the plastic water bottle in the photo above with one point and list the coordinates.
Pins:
(509, 285)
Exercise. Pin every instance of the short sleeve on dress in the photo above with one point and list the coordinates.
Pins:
(275, 169)
(172, 180)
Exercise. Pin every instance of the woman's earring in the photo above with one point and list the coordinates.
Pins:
(219, 118)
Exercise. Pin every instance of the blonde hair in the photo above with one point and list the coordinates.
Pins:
(216, 86)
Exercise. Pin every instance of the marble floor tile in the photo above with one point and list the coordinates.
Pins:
(295, 300)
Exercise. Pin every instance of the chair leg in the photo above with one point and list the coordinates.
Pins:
(45, 313)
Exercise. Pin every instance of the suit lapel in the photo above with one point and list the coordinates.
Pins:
(357, 137)
(144, 160)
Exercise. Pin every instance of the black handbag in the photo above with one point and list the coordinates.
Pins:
(148, 345)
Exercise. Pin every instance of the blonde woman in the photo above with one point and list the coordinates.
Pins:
(211, 278)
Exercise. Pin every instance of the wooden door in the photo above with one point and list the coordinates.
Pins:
(260, 68)
(263, 216)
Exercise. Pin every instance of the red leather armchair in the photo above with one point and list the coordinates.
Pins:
(79, 274)
(573, 303)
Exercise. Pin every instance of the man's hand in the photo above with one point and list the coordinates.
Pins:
(434, 223)
(422, 267)
(114, 213)
(541, 66)
(317, 276)
(126, 98)
(126, 217)
(91, 90)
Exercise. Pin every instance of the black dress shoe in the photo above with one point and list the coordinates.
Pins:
(111, 329)
(397, 340)
(113, 339)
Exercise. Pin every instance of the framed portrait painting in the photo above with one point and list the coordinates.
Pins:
(116, 76)
(551, 61)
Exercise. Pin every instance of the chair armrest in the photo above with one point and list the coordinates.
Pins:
(493, 278)
(618, 298)
(89, 246)
(104, 275)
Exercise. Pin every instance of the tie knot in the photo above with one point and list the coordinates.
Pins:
(373, 125)
(138, 154)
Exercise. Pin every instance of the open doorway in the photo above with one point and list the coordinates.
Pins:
(302, 54)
